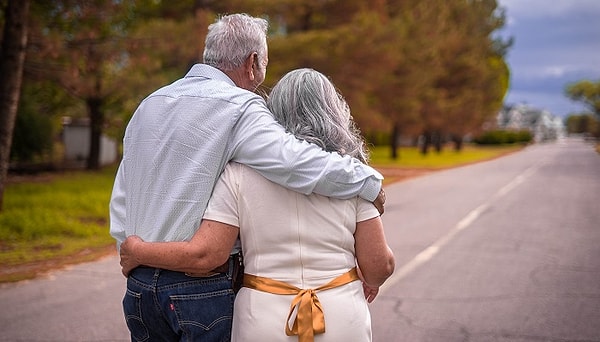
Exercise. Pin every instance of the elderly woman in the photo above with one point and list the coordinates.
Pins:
(304, 255)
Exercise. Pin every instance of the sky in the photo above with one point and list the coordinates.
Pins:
(555, 43)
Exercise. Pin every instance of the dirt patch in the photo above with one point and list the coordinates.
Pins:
(42, 177)
(34, 269)
(393, 175)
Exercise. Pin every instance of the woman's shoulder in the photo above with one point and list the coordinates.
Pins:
(238, 168)
(243, 172)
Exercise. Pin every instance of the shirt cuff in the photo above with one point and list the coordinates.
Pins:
(371, 188)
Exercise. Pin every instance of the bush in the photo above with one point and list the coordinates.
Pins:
(500, 137)
(523, 136)
(32, 136)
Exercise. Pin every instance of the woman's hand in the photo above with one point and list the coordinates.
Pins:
(370, 292)
(128, 260)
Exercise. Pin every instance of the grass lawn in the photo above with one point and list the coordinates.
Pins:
(410, 162)
(410, 157)
(55, 219)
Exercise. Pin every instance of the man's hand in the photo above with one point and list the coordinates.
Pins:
(128, 260)
(380, 201)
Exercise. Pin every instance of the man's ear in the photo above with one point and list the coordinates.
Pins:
(249, 63)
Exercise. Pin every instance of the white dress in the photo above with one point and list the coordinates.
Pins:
(305, 241)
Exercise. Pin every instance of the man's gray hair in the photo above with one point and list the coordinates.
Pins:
(309, 106)
(232, 38)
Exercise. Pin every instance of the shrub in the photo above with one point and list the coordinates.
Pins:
(500, 137)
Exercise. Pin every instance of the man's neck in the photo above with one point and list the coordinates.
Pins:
(240, 78)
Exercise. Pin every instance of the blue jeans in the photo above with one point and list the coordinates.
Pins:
(162, 305)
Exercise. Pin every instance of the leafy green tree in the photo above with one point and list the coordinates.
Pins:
(347, 51)
(79, 45)
(472, 80)
(32, 139)
(583, 124)
(476, 77)
(110, 54)
(406, 89)
(38, 122)
(586, 92)
(410, 66)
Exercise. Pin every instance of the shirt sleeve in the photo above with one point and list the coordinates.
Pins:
(261, 143)
(118, 208)
(223, 204)
(365, 210)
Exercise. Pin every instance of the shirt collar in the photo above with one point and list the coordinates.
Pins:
(204, 70)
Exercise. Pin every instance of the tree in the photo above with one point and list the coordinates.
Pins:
(472, 77)
(406, 89)
(12, 58)
(324, 42)
(78, 45)
(476, 77)
(408, 67)
(586, 92)
(110, 54)
(42, 107)
(583, 124)
(403, 65)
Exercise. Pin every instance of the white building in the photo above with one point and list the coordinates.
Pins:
(542, 124)
(76, 139)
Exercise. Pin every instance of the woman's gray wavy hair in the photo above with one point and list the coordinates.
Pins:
(309, 106)
(232, 38)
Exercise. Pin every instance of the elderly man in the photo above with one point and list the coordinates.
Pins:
(175, 147)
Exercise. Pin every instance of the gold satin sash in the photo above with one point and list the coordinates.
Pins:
(309, 319)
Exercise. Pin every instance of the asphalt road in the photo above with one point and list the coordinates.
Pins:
(79, 303)
(506, 250)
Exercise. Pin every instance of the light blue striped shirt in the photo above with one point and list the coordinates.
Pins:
(181, 137)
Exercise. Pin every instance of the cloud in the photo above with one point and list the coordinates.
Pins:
(524, 9)
(555, 43)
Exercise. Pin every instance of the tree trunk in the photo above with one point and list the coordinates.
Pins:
(394, 141)
(96, 121)
(458, 142)
(437, 141)
(426, 141)
(12, 58)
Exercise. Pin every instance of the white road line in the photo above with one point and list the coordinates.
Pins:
(429, 252)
